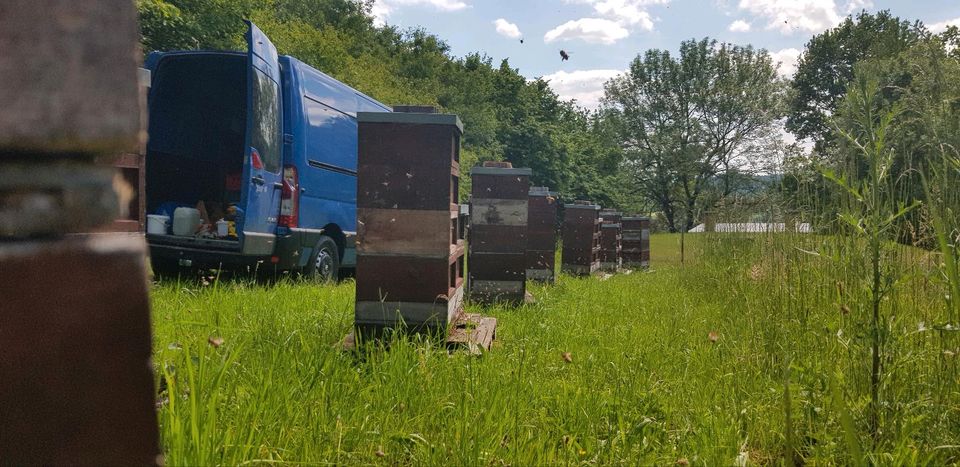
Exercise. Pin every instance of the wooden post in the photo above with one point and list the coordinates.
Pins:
(498, 233)
(76, 383)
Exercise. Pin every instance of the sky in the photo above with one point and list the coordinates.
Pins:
(603, 36)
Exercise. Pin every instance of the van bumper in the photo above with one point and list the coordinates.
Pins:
(201, 258)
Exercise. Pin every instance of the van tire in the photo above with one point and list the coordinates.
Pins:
(324, 264)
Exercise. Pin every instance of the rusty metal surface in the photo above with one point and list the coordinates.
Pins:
(69, 76)
(77, 385)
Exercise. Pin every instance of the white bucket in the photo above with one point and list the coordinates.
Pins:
(157, 224)
(222, 228)
(186, 221)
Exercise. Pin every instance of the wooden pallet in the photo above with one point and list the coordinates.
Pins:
(473, 331)
(470, 330)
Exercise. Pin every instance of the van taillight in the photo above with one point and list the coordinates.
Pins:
(255, 161)
(289, 197)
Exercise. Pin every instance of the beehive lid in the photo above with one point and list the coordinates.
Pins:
(541, 191)
(410, 118)
(579, 205)
(501, 171)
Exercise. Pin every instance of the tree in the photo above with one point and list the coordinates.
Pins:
(826, 68)
(685, 123)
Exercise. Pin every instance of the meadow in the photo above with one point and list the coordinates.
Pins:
(754, 350)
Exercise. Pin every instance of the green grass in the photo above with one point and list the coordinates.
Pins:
(645, 386)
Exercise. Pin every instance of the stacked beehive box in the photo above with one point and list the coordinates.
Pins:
(581, 238)
(610, 240)
(636, 241)
(498, 232)
(76, 380)
(409, 244)
(542, 235)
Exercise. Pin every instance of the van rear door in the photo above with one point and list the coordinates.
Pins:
(262, 166)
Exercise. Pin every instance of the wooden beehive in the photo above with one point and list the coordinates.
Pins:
(581, 238)
(610, 240)
(636, 241)
(76, 380)
(409, 244)
(542, 235)
(498, 232)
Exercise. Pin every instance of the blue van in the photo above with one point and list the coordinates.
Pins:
(266, 143)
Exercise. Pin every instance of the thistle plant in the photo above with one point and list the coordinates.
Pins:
(871, 212)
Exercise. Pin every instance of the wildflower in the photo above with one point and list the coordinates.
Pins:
(567, 357)
(921, 326)
(215, 341)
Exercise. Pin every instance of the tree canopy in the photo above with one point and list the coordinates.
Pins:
(687, 123)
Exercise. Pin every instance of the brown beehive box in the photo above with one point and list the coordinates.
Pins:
(610, 240)
(498, 233)
(409, 244)
(542, 235)
(581, 238)
(636, 241)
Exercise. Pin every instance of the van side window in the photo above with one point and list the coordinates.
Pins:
(266, 120)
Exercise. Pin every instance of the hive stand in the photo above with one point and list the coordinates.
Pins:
(636, 241)
(498, 233)
(581, 238)
(542, 235)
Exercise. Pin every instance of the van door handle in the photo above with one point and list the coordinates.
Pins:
(277, 186)
(258, 180)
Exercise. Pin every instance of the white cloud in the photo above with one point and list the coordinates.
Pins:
(789, 16)
(586, 86)
(383, 8)
(943, 25)
(854, 6)
(615, 17)
(786, 61)
(507, 29)
(591, 30)
(739, 26)
(628, 12)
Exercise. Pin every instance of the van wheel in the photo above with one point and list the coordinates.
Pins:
(324, 265)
